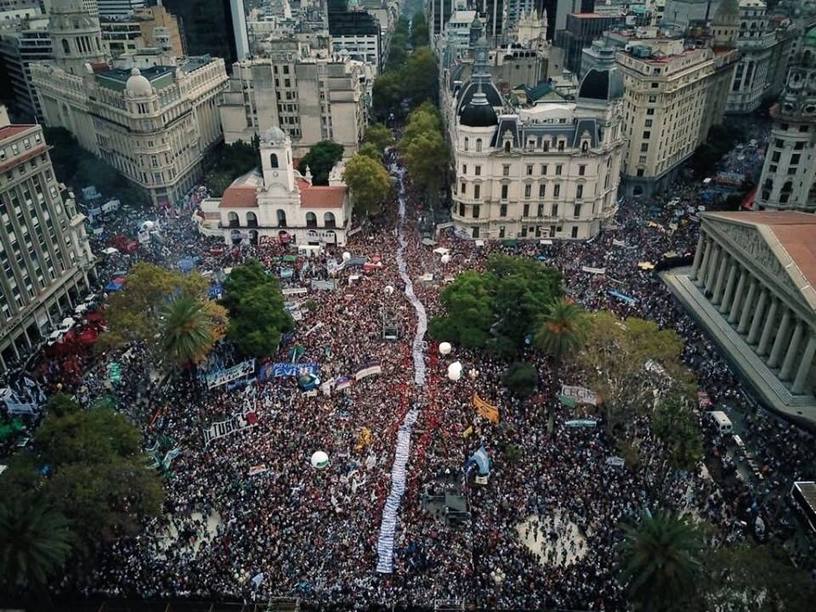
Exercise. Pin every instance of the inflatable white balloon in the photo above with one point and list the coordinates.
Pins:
(455, 371)
(320, 460)
(445, 258)
(346, 256)
(445, 348)
(389, 289)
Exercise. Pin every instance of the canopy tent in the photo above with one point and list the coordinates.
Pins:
(115, 285)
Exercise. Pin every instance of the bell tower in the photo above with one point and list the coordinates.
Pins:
(276, 159)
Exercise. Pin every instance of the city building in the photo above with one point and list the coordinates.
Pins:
(788, 178)
(545, 171)
(153, 118)
(309, 95)
(119, 8)
(752, 287)
(279, 204)
(13, 14)
(579, 33)
(145, 28)
(685, 13)
(208, 27)
(356, 34)
(44, 252)
(674, 93)
(21, 46)
(564, 8)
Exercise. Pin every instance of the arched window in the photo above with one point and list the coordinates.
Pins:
(478, 145)
(65, 48)
(467, 143)
(232, 218)
(281, 218)
(507, 146)
(273, 160)
(328, 220)
(252, 219)
(784, 195)
(311, 219)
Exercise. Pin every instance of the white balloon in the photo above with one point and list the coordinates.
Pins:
(445, 348)
(389, 289)
(346, 256)
(320, 460)
(445, 258)
(454, 375)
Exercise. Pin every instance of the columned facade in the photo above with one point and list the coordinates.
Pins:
(752, 269)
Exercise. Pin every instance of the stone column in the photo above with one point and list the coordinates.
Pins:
(793, 350)
(804, 367)
(729, 286)
(770, 319)
(747, 308)
(719, 287)
(704, 266)
(738, 296)
(711, 271)
(753, 335)
(698, 257)
(779, 342)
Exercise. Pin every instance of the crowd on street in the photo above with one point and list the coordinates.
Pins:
(253, 519)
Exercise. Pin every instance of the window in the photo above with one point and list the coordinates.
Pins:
(65, 48)
(795, 158)
(574, 231)
(467, 143)
(579, 191)
(529, 169)
(560, 145)
(540, 210)
(644, 147)
(582, 170)
(542, 190)
(252, 220)
(544, 169)
(555, 210)
(503, 210)
(478, 171)
(507, 147)
(506, 170)
(476, 191)
(464, 168)
(504, 192)
(273, 160)
(475, 211)
(650, 111)
(648, 123)
(577, 211)
(311, 219)
(281, 218)
(501, 231)
(776, 155)
(475, 232)
(556, 191)
(461, 209)
(526, 212)
(478, 145)
(329, 221)
(647, 134)
(463, 189)
(528, 190)
(558, 170)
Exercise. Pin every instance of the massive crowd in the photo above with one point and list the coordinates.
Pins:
(254, 520)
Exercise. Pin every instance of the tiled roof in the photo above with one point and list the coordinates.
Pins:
(239, 197)
(322, 197)
(12, 130)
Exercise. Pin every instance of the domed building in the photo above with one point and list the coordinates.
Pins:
(789, 175)
(153, 121)
(546, 171)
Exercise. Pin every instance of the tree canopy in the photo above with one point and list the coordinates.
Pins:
(496, 309)
(379, 135)
(521, 378)
(424, 149)
(257, 316)
(561, 329)
(368, 181)
(227, 162)
(320, 159)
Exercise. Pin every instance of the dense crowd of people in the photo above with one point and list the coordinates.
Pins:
(247, 516)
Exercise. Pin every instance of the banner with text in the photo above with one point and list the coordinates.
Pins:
(488, 411)
(581, 395)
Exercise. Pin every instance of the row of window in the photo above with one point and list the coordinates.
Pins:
(529, 170)
(475, 211)
(329, 220)
(526, 232)
(528, 191)
(14, 148)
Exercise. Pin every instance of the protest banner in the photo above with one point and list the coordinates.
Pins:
(593, 270)
(577, 423)
(294, 291)
(221, 377)
(485, 410)
(368, 371)
(257, 469)
(282, 370)
(615, 461)
(581, 395)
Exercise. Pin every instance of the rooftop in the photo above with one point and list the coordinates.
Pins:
(12, 130)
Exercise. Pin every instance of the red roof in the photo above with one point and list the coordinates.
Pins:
(322, 197)
(239, 197)
(12, 130)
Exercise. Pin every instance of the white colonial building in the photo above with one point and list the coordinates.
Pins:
(547, 171)
(279, 204)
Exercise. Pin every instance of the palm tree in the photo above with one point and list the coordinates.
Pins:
(561, 329)
(189, 330)
(35, 543)
(661, 561)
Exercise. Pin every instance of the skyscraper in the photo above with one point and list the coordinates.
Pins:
(210, 27)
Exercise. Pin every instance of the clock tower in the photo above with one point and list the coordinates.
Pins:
(276, 160)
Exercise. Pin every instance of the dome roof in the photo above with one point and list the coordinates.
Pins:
(138, 86)
(478, 113)
(466, 94)
(601, 85)
(273, 135)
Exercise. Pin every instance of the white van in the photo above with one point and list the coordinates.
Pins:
(722, 421)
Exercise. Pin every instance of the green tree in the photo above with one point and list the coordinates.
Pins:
(368, 182)
(189, 329)
(379, 136)
(468, 301)
(522, 379)
(228, 162)
(675, 424)
(35, 543)
(387, 94)
(661, 562)
(419, 30)
(320, 159)
(561, 329)
(420, 76)
(371, 151)
(257, 315)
